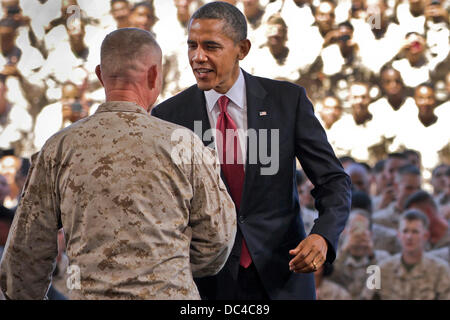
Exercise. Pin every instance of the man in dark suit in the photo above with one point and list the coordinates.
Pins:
(272, 258)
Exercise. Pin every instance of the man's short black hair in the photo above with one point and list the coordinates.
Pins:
(408, 169)
(361, 200)
(397, 155)
(426, 84)
(146, 4)
(419, 197)
(235, 22)
(346, 159)
(437, 168)
(379, 166)
(115, 1)
(346, 24)
(366, 165)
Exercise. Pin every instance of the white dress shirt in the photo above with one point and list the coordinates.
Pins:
(237, 109)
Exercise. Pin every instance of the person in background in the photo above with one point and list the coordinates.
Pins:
(356, 254)
(412, 274)
(438, 181)
(327, 289)
(142, 16)
(59, 115)
(9, 165)
(407, 181)
(120, 11)
(6, 215)
(393, 162)
(308, 210)
(360, 177)
(438, 228)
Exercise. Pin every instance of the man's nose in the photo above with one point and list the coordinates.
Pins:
(199, 56)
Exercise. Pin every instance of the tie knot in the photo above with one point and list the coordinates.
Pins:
(223, 103)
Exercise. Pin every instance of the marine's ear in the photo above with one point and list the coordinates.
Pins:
(98, 72)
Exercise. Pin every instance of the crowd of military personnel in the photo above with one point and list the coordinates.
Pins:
(377, 72)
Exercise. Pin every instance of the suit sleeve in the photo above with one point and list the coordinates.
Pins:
(31, 249)
(213, 214)
(332, 191)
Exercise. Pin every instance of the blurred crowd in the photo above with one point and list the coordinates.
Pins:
(376, 71)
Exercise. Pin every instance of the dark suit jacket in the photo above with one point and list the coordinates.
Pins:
(269, 216)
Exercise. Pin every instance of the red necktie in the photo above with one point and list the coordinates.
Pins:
(233, 169)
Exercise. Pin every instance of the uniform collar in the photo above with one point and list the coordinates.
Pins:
(121, 106)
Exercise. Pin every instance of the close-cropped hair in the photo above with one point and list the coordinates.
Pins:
(235, 21)
(415, 214)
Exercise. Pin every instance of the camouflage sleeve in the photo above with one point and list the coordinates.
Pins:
(443, 285)
(31, 249)
(213, 214)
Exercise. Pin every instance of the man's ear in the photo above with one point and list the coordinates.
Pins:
(152, 77)
(244, 48)
(98, 72)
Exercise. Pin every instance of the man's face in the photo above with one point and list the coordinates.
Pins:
(360, 181)
(141, 18)
(415, 47)
(438, 179)
(9, 3)
(358, 228)
(417, 5)
(183, 5)
(392, 82)
(8, 168)
(391, 167)
(331, 110)
(325, 16)
(276, 36)
(425, 100)
(213, 55)
(359, 96)
(120, 11)
(76, 33)
(413, 236)
(69, 93)
(251, 3)
(405, 186)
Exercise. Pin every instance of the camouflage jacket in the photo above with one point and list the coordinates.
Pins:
(137, 224)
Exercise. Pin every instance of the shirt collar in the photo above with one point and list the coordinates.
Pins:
(235, 94)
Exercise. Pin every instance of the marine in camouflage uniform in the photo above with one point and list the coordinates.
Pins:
(427, 280)
(137, 224)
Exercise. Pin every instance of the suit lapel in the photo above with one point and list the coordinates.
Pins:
(198, 112)
(258, 112)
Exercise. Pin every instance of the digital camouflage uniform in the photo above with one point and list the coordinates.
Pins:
(352, 273)
(138, 225)
(428, 280)
(328, 290)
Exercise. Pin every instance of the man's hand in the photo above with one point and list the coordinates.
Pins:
(310, 254)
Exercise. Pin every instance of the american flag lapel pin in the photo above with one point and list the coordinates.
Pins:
(262, 113)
